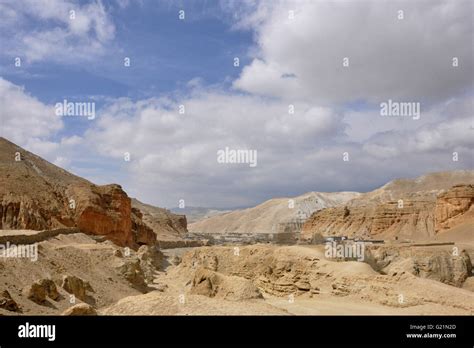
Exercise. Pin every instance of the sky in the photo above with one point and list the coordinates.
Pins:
(306, 96)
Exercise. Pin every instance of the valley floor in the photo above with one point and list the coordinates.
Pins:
(257, 279)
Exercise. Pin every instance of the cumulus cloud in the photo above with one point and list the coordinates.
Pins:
(174, 156)
(55, 30)
(34, 125)
(448, 129)
(171, 151)
(25, 119)
(294, 103)
(408, 59)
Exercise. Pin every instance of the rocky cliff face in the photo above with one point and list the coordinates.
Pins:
(21, 214)
(444, 263)
(372, 222)
(454, 207)
(166, 225)
(37, 195)
(103, 210)
(390, 212)
(144, 235)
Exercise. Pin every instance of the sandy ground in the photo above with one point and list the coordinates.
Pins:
(75, 254)
(329, 305)
(371, 294)
(324, 287)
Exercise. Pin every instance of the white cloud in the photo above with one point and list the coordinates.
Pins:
(173, 156)
(450, 129)
(178, 153)
(24, 119)
(58, 34)
(32, 124)
(409, 59)
(298, 62)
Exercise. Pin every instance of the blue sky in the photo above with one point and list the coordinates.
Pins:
(284, 60)
(165, 54)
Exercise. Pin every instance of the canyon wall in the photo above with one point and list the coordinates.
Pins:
(416, 216)
(37, 195)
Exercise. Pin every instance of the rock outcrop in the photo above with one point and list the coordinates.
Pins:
(279, 273)
(166, 225)
(386, 220)
(37, 195)
(50, 289)
(151, 260)
(80, 309)
(7, 302)
(103, 210)
(76, 286)
(454, 207)
(35, 292)
(444, 264)
(129, 268)
(403, 209)
(213, 284)
(39, 290)
(301, 272)
(144, 235)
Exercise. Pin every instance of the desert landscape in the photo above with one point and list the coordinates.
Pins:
(71, 247)
(255, 172)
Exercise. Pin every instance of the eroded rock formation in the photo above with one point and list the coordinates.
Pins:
(446, 264)
(37, 195)
(453, 207)
(394, 214)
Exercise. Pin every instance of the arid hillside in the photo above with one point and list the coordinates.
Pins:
(167, 226)
(194, 214)
(266, 217)
(37, 195)
(417, 209)
(92, 250)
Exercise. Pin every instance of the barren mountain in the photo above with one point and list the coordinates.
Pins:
(194, 214)
(266, 217)
(167, 226)
(37, 195)
(409, 208)
(106, 278)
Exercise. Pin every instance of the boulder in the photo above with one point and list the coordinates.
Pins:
(80, 309)
(7, 302)
(150, 261)
(205, 283)
(50, 289)
(130, 269)
(213, 284)
(76, 286)
(35, 292)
